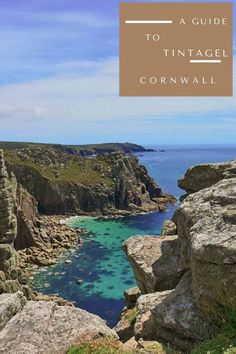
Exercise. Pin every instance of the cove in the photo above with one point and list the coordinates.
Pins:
(101, 263)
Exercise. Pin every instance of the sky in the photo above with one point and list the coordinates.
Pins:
(59, 82)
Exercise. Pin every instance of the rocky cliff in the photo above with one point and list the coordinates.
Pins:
(38, 239)
(63, 183)
(45, 326)
(9, 260)
(205, 175)
(188, 280)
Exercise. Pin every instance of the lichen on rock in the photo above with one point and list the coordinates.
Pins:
(43, 327)
(155, 261)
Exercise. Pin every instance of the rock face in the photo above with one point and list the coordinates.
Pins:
(205, 175)
(172, 316)
(64, 183)
(169, 228)
(10, 305)
(155, 262)
(7, 217)
(27, 219)
(38, 240)
(125, 326)
(131, 297)
(45, 327)
(206, 251)
(206, 224)
(9, 262)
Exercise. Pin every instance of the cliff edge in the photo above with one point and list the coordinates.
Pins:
(65, 183)
(188, 276)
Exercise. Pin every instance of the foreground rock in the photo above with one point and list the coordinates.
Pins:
(44, 328)
(10, 305)
(155, 262)
(206, 224)
(173, 317)
(191, 309)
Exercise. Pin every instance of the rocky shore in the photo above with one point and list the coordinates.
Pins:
(187, 276)
(57, 237)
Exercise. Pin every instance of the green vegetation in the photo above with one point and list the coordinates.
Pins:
(75, 169)
(101, 349)
(89, 148)
(108, 147)
(84, 173)
(225, 342)
(111, 347)
(66, 163)
(102, 346)
(131, 315)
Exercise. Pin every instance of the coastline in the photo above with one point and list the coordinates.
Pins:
(56, 236)
(59, 236)
(64, 238)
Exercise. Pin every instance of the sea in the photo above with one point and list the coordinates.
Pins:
(98, 272)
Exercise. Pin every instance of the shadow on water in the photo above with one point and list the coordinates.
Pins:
(99, 272)
(100, 264)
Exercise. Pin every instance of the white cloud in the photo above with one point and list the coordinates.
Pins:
(78, 18)
(92, 96)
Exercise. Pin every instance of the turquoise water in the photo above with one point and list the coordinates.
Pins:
(99, 271)
(100, 264)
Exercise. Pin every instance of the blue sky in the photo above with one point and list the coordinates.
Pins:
(59, 82)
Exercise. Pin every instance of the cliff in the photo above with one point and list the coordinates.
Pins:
(45, 326)
(188, 280)
(63, 183)
(81, 150)
(205, 175)
(9, 260)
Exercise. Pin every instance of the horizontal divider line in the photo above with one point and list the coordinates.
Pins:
(148, 21)
(205, 61)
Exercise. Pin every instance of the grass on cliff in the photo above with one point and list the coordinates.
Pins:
(111, 346)
(83, 172)
(99, 346)
(225, 342)
(101, 349)
(131, 315)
